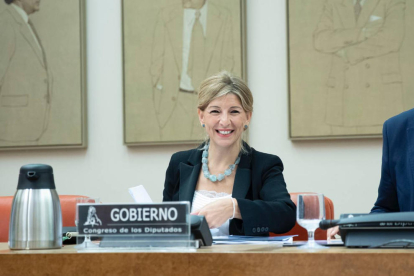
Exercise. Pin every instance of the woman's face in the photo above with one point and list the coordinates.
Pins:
(224, 120)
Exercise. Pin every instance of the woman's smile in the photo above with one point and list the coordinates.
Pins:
(224, 120)
(224, 132)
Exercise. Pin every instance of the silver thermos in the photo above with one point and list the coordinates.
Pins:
(36, 217)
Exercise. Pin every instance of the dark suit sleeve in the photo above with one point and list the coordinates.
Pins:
(387, 200)
(274, 211)
(171, 180)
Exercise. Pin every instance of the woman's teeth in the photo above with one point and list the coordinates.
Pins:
(224, 132)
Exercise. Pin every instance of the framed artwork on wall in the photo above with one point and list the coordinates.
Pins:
(170, 46)
(350, 66)
(42, 74)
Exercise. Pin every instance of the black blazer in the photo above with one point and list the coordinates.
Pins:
(259, 189)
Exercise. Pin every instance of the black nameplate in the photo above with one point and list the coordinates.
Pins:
(133, 219)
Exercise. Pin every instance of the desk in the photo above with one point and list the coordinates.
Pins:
(216, 260)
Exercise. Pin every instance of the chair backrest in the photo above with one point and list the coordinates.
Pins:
(67, 204)
(300, 231)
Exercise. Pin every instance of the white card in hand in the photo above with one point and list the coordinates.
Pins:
(139, 194)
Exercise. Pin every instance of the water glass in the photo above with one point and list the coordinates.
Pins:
(310, 211)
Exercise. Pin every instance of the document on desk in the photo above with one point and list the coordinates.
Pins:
(139, 194)
(233, 239)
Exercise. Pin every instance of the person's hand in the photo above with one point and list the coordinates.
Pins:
(370, 31)
(217, 212)
(342, 54)
(332, 232)
(373, 26)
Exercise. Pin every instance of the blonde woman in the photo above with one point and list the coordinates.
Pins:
(239, 190)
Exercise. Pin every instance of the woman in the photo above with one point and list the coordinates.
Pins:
(239, 190)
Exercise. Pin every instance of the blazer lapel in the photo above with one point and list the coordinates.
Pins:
(347, 13)
(242, 179)
(188, 181)
(42, 51)
(25, 31)
(367, 10)
(190, 172)
(188, 176)
(241, 183)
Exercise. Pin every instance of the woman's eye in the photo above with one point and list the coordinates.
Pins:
(214, 111)
(235, 112)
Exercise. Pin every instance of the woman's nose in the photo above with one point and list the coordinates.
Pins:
(224, 120)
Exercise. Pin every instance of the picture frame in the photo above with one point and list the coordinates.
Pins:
(43, 75)
(160, 96)
(349, 67)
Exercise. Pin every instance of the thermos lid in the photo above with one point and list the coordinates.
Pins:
(36, 176)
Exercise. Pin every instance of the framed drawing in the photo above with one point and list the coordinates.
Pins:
(42, 74)
(350, 66)
(170, 46)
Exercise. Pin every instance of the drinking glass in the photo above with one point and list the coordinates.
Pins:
(310, 211)
(87, 243)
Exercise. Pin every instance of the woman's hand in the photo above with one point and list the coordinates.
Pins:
(217, 212)
(332, 232)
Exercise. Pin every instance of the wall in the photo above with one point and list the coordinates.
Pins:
(347, 171)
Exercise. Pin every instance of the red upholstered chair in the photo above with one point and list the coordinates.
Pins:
(67, 204)
(301, 232)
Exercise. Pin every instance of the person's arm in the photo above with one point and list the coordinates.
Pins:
(274, 211)
(380, 39)
(387, 200)
(219, 211)
(327, 39)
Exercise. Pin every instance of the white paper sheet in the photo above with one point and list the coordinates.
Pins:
(252, 239)
(139, 194)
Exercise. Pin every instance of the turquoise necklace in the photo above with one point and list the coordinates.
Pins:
(221, 176)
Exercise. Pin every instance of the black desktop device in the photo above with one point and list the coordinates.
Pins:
(200, 230)
(384, 230)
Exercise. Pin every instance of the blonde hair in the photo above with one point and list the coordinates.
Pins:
(220, 85)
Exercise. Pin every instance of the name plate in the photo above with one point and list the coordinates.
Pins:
(134, 219)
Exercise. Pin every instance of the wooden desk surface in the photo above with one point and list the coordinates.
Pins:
(216, 260)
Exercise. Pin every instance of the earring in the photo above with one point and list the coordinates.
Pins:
(246, 127)
(203, 125)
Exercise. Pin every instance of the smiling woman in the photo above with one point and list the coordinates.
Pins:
(225, 109)
(239, 190)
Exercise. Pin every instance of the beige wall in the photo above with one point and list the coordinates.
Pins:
(348, 171)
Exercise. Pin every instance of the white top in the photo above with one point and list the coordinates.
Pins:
(25, 17)
(202, 198)
(188, 24)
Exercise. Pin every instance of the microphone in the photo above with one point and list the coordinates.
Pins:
(326, 224)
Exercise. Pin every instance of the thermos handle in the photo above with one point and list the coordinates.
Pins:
(32, 175)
